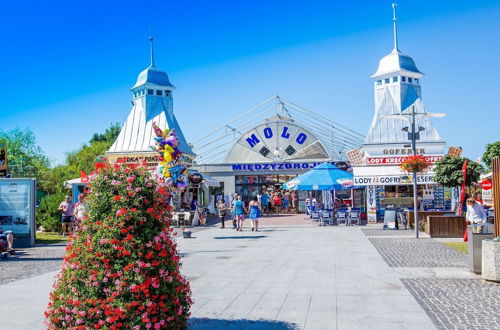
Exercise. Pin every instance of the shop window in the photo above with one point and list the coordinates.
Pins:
(159, 93)
(403, 79)
(387, 80)
(150, 92)
(395, 79)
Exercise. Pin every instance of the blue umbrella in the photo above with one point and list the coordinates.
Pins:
(323, 177)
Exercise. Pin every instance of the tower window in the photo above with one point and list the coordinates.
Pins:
(395, 79)
(167, 93)
(159, 92)
(379, 82)
(410, 80)
(416, 81)
(403, 79)
(387, 80)
(150, 92)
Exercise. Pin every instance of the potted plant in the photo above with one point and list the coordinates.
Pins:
(416, 163)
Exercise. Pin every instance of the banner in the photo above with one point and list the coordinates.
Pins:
(371, 203)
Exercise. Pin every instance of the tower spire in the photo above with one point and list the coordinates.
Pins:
(151, 47)
(394, 20)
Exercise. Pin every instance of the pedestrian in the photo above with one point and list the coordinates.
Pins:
(239, 211)
(475, 214)
(277, 203)
(254, 214)
(286, 201)
(233, 212)
(67, 208)
(222, 212)
(293, 197)
(264, 202)
(80, 212)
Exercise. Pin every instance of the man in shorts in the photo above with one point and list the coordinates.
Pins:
(264, 202)
(239, 211)
(67, 207)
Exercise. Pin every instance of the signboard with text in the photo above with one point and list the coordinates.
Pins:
(401, 179)
(398, 160)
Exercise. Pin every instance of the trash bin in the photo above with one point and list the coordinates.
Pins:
(474, 245)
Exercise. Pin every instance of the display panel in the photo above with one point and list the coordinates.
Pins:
(17, 205)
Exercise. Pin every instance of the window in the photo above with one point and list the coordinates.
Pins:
(167, 93)
(416, 81)
(159, 93)
(387, 80)
(410, 80)
(395, 79)
(150, 92)
(135, 95)
(403, 79)
(379, 82)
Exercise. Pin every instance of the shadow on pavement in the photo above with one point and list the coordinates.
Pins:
(206, 323)
(239, 237)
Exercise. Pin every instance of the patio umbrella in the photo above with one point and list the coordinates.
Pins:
(323, 177)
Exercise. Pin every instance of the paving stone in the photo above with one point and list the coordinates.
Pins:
(422, 252)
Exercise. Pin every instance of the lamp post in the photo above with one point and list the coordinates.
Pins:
(413, 136)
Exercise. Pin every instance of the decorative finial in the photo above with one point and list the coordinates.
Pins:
(151, 47)
(394, 5)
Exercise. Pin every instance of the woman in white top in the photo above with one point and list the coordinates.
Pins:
(475, 214)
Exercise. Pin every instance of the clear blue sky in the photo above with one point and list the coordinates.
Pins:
(67, 66)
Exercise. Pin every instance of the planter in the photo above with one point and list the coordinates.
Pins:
(186, 234)
(491, 260)
(443, 226)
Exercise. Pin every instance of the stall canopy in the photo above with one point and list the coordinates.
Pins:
(210, 182)
(323, 177)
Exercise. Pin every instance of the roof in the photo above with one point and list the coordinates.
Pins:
(154, 76)
(396, 61)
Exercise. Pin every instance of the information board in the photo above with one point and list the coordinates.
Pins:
(17, 206)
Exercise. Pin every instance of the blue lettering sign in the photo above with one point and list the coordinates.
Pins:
(301, 138)
(296, 166)
(253, 140)
(258, 167)
(285, 133)
(305, 165)
(288, 166)
(236, 167)
(268, 132)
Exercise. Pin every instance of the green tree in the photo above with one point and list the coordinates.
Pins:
(448, 171)
(25, 158)
(492, 151)
(109, 136)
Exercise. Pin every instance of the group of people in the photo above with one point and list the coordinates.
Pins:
(237, 211)
(72, 214)
(278, 201)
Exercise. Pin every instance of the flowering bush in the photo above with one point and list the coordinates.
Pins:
(417, 162)
(121, 267)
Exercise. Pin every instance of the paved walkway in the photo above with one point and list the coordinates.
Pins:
(282, 277)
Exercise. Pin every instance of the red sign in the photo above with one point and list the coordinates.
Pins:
(486, 184)
(396, 160)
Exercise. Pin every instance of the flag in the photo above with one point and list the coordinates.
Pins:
(83, 177)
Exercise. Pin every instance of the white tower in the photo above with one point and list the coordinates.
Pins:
(397, 88)
(152, 102)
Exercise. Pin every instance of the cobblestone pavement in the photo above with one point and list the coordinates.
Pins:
(30, 262)
(423, 252)
(381, 232)
(457, 303)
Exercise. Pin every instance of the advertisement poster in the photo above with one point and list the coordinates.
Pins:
(371, 204)
(17, 205)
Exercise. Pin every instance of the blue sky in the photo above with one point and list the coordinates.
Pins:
(67, 67)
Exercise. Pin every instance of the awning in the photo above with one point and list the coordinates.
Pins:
(69, 183)
(210, 182)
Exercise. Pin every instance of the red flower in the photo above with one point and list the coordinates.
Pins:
(121, 212)
(117, 198)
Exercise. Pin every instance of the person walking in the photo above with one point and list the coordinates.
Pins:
(277, 203)
(293, 197)
(67, 208)
(239, 211)
(222, 212)
(286, 202)
(254, 214)
(264, 202)
(80, 212)
(475, 214)
(233, 214)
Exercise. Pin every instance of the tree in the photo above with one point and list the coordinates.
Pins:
(109, 136)
(25, 158)
(492, 151)
(448, 171)
(121, 269)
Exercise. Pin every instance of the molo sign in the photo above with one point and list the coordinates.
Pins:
(279, 140)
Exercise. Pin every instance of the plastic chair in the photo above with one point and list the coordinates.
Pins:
(341, 216)
(315, 216)
(354, 215)
(325, 215)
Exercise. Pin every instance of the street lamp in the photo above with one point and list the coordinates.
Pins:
(413, 136)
